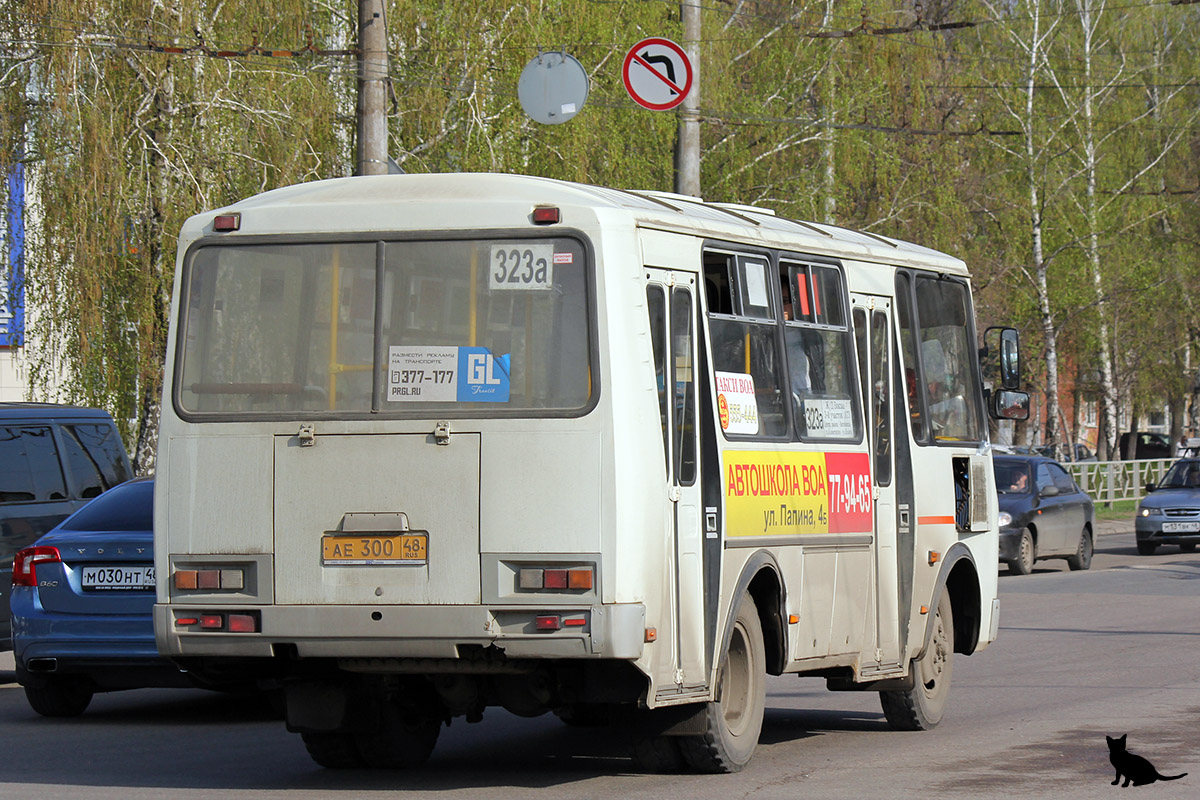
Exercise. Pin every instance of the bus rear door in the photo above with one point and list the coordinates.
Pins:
(671, 299)
(872, 332)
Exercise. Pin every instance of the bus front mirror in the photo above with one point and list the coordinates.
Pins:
(1008, 404)
(1002, 353)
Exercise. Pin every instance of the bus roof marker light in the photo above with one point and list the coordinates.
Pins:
(546, 215)
(223, 223)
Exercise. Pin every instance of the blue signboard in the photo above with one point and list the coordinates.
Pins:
(12, 267)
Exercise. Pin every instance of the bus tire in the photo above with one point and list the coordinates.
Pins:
(733, 721)
(921, 708)
(333, 750)
(402, 741)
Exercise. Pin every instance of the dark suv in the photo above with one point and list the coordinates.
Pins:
(53, 459)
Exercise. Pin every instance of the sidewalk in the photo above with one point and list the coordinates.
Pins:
(1108, 527)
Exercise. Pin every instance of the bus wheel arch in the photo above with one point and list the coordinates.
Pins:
(958, 579)
(761, 581)
(962, 584)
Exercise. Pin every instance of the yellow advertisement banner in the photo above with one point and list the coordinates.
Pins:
(788, 493)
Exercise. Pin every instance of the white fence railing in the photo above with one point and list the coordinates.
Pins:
(1107, 481)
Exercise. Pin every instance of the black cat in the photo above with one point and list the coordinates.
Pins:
(1133, 767)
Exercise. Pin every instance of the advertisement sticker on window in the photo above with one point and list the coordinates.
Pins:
(446, 375)
(737, 405)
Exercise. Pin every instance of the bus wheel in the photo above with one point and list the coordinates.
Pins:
(734, 720)
(404, 740)
(332, 750)
(921, 707)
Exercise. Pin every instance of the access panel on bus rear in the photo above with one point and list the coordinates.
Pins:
(380, 519)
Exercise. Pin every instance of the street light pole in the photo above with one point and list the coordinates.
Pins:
(687, 142)
(372, 142)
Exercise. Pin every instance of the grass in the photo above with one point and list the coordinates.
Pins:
(1119, 509)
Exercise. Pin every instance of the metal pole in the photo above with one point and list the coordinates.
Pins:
(372, 88)
(687, 143)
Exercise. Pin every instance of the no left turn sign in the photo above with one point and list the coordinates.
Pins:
(657, 74)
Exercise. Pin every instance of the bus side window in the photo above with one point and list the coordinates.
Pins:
(744, 335)
(908, 352)
(684, 385)
(717, 290)
(656, 304)
(947, 359)
(820, 357)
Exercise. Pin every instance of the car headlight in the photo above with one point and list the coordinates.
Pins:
(1005, 519)
(1149, 511)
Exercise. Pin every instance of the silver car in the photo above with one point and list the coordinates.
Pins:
(1170, 511)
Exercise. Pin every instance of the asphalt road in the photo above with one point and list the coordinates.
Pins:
(1080, 655)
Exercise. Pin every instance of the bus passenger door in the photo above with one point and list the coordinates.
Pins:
(873, 341)
(671, 300)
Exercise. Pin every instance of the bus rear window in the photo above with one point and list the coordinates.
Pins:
(462, 327)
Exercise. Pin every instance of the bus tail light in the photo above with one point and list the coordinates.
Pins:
(556, 622)
(556, 579)
(232, 622)
(209, 579)
(26, 561)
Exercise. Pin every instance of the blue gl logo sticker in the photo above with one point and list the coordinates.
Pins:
(483, 377)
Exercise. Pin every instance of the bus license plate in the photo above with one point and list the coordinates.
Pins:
(1181, 527)
(117, 578)
(375, 548)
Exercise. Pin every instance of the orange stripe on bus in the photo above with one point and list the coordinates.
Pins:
(935, 520)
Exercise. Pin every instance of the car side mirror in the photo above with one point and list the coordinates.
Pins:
(1150, 487)
(1049, 491)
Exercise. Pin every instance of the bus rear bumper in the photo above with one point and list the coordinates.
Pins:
(378, 631)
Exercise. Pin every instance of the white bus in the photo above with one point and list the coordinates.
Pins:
(437, 443)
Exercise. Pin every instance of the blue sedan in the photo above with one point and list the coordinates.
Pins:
(82, 600)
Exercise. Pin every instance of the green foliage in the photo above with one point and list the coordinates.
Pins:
(917, 134)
